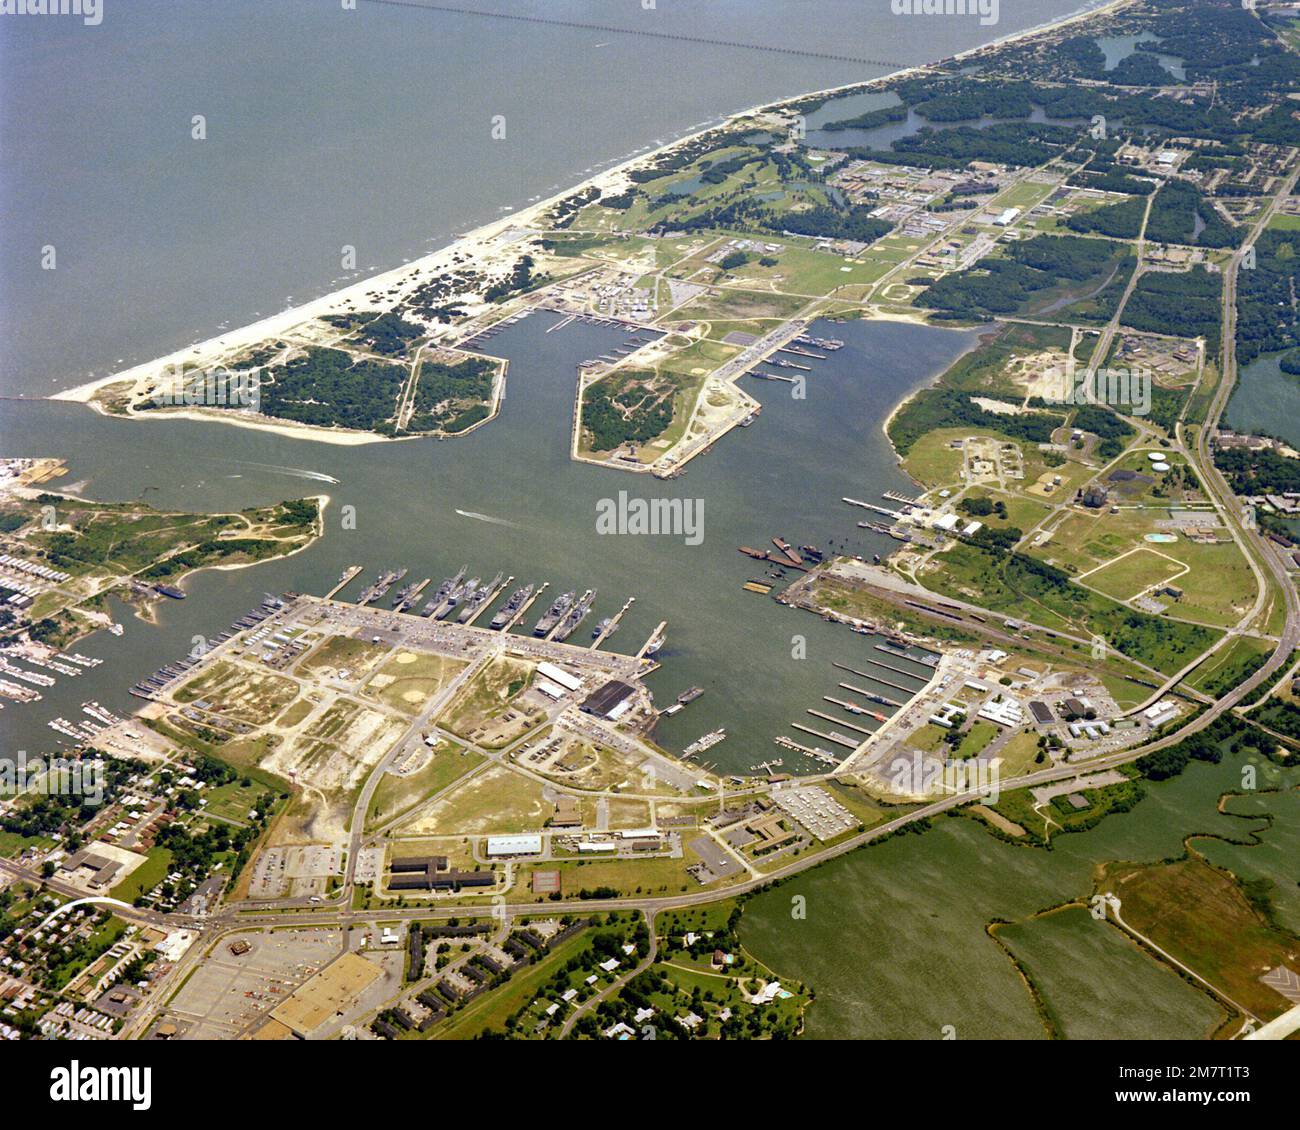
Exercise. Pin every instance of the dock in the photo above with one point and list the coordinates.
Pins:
(613, 623)
(784, 549)
(584, 598)
(927, 660)
(854, 708)
(878, 679)
(868, 695)
(344, 581)
(412, 597)
(894, 496)
(898, 670)
(491, 600)
(814, 752)
(776, 559)
(838, 740)
(657, 634)
(872, 506)
(525, 607)
(847, 725)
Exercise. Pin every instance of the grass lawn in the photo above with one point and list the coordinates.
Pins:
(145, 877)
(1134, 573)
(928, 738)
(234, 801)
(409, 680)
(977, 737)
(661, 875)
(1230, 665)
(12, 844)
(496, 801)
(395, 795)
(1018, 755)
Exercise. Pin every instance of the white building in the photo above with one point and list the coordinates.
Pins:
(514, 845)
(1160, 713)
(1004, 713)
(549, 689)
(559, 675)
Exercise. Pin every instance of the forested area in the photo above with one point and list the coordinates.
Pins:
(635, 409)
(450, 398)
(934, 408)
(326, 388)
(1267, 319)
(1009, 284)
(1183, 305)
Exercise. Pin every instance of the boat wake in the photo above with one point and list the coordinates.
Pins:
(488, 518)
(292, 472)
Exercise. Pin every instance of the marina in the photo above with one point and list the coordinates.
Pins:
(697, 587)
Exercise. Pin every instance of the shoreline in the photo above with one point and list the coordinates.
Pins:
(477, 244)
(146, 610)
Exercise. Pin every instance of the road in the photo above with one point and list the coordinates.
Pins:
(614, 986)
(232, 918)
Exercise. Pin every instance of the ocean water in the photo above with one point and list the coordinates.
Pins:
(328, 128)
(371, 128)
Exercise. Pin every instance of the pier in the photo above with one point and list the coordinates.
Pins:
(657, 634)
(870, 696)
(344, 581)
(838, 722)
(897, 670)
(814, 752)
(525, 607)
(496, 592)
(838, 740)
(894, 496)
(583, 599)
(613, 623)
(411, 597)
(878, 679)
(854, 708)
(872, 506)
(925, 660)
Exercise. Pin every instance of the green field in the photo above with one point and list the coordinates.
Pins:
(145, 877)
(1060, 950)
(919, 908)
(1013, 586)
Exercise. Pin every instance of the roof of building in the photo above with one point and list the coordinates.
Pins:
(559, 675)
(332, 990)
(514, 845)
(608, 697)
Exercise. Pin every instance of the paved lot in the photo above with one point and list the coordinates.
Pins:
(227, 993)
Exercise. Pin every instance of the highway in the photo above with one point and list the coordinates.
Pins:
(1269, 569)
